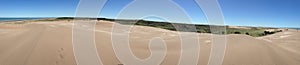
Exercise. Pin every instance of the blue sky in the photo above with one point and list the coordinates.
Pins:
(270, 13)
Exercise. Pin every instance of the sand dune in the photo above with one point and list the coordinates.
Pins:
(50, 43)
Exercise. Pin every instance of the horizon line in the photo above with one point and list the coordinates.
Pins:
(153, 21)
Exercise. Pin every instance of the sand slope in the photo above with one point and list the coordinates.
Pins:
(50, 43)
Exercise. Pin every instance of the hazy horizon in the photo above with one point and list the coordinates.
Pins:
(264, 13)
(32, 18)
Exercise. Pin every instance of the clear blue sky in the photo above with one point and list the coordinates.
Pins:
(271, 13)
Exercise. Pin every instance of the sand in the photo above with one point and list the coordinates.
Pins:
(50, 43)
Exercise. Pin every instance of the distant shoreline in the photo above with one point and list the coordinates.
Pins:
(13, 19)
(16, 19)
(19, 19)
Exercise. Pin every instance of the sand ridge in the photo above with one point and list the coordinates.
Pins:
(50, 43)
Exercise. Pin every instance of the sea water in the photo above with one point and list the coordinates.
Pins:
(16, 19)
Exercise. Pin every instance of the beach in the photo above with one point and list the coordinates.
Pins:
(50, 43)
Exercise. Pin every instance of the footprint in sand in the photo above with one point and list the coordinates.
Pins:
(61, 57)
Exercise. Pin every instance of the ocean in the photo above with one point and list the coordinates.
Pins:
(16, 19)
(295, 28)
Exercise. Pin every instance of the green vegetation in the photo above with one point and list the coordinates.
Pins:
(252, 31)
(65, 18)
(255, 32)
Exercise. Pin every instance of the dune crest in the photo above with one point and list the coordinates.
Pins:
(50, 43)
